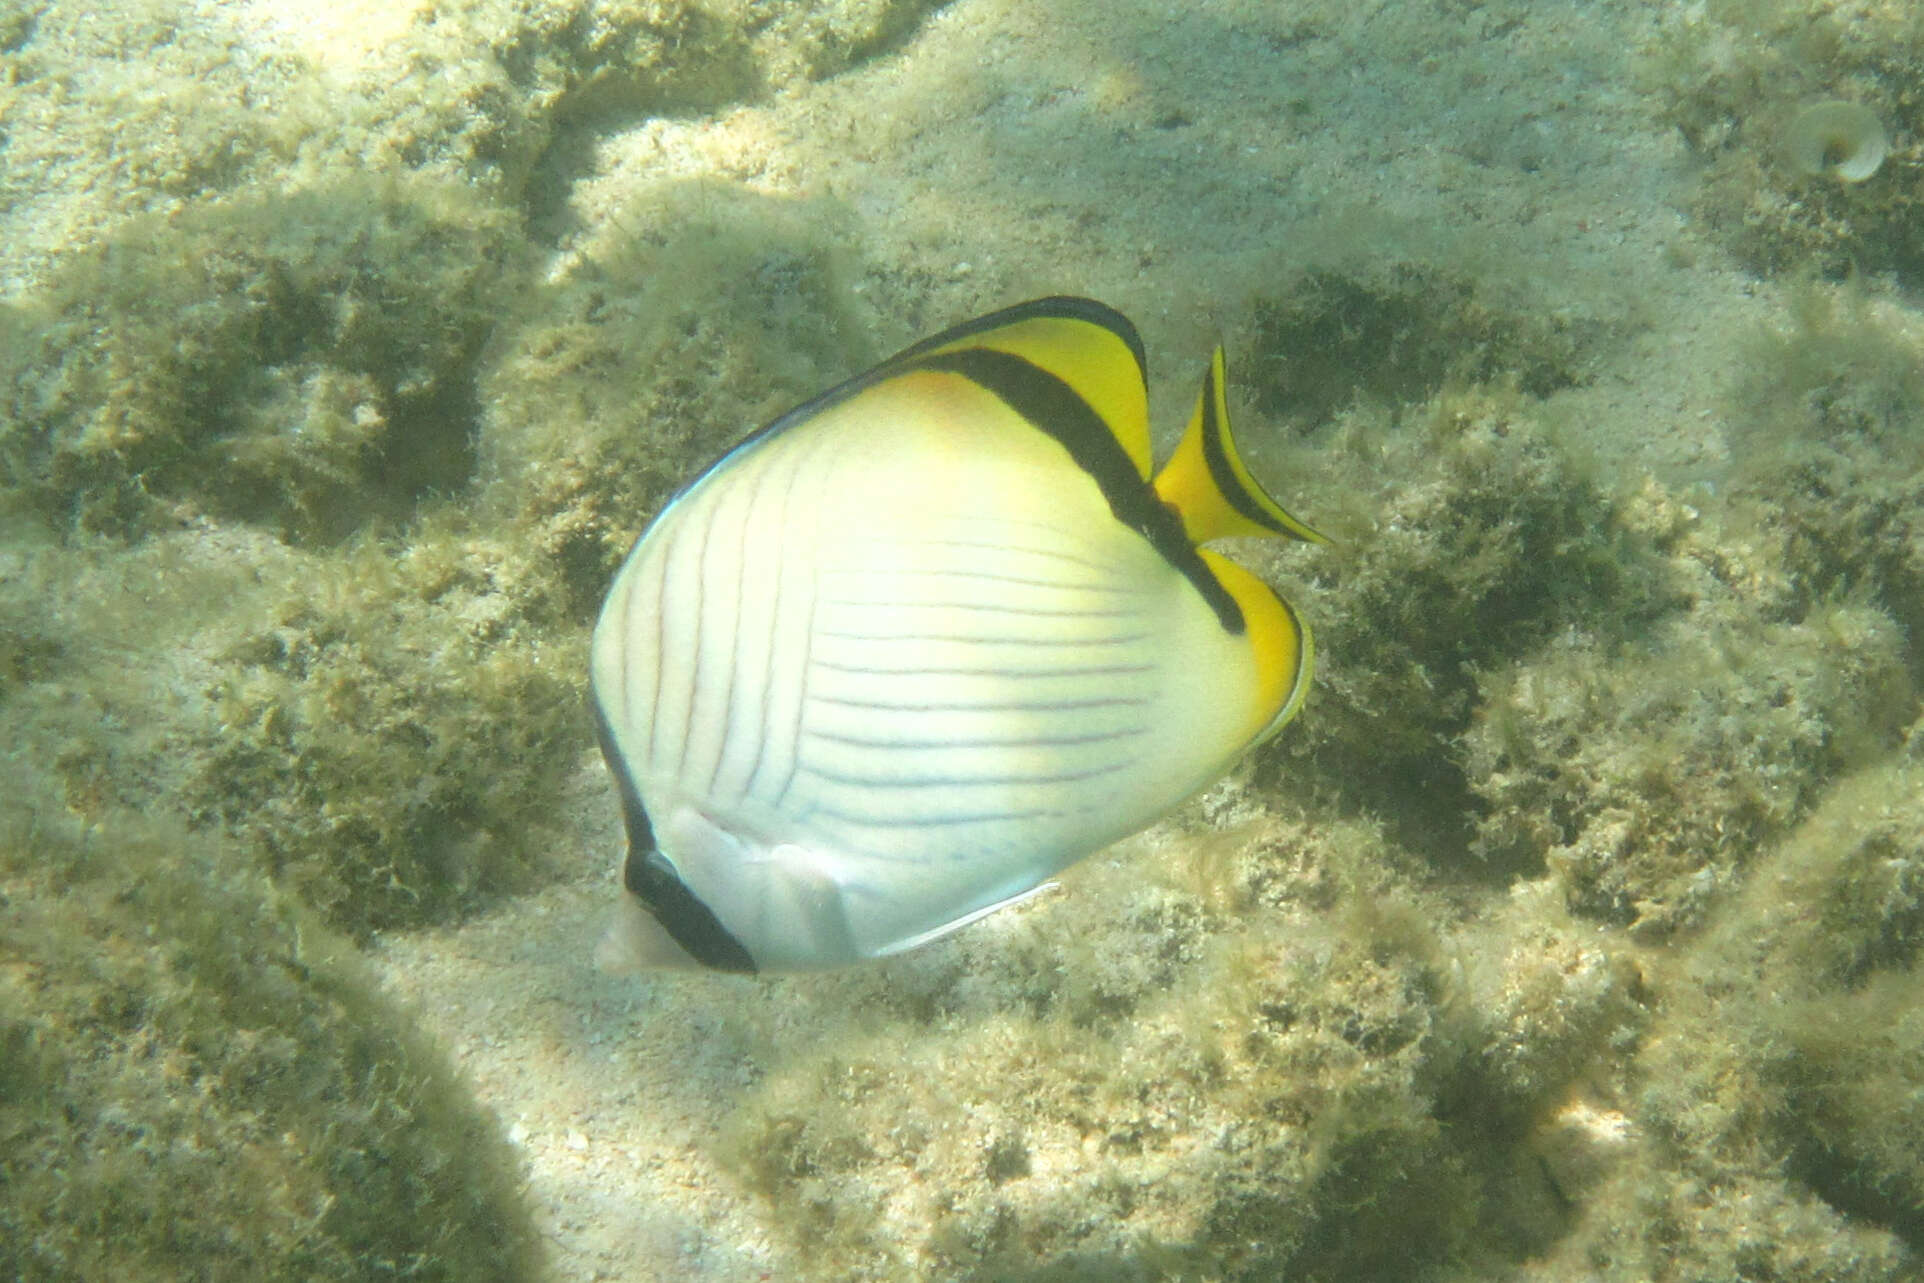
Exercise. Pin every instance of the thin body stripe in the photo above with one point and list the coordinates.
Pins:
(624, 671)
(995, 670)
(656, 585)
(706, 528)
(802, 692)
(985, 576)
(802, 696)
(740, 552)
(993, 608)
(948, 820)
(959, 781)
(750, 680)
(1001, 741)
(979, 639)
(796, 460)
(1053, 554)
(775, 616)
(984, 706)
(675, 653)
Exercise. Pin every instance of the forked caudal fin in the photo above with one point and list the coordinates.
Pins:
(1206, 483)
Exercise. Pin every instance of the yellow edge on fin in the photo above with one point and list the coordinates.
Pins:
(1096, 362)
(1207, 483)
(1279, 642)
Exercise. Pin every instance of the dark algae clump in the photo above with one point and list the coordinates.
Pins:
(299, 363)
(202, 1081)
(1571, 933)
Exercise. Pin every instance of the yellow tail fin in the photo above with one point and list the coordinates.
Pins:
(1206, 482)
(1280, 642)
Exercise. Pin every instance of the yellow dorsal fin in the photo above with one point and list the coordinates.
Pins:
(1091, 348)
(1206, 482)
(1279, 642)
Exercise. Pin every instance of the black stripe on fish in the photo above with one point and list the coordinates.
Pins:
(1054, 408)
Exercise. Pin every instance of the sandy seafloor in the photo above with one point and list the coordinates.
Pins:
(1184, 162)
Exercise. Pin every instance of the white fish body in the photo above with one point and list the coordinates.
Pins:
(894, 664)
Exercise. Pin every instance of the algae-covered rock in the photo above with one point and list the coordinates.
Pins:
(1649, 769)
(1833, 1029)
(1647, 764)
(1396, 331)
(1739, 81)
(1466, 537)
(1850, 1083)
(1555, 1010)
(1269, 1064)
(302, 362)
(1830, 423)
(197, 1080)
(1291, 1131)
(384, 728)
(390, 731)
(1776, 1097)
(595, 58)
(1844, 367)
(1646, 774)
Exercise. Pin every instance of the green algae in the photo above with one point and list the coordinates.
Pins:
(311, 499)
(1468, 535)
(1396, 331)
(1280, 1069)
(1731, 77)
(200, 1080)
(1646, 777)
(1777, 1089)
(298, 363)
(388, 738)
(1828, 418)
(1309, 1061)
(381, 727)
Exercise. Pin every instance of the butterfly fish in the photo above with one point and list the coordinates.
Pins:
(927, 639)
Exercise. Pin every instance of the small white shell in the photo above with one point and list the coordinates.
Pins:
(1842, 139)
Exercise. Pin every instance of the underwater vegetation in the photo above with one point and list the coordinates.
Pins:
(1778, 1091)
(305, 372)
(1468, 537)
(388, 737)
(1276, 1068)
(1828, 413)
(277, 676)
(1292, 1059)
(1646, 779)
(1807, 118)
(259, 361)
(1410, 324)
(199, 1080)
(719, 310)
(381, 728)
(1572, 933)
